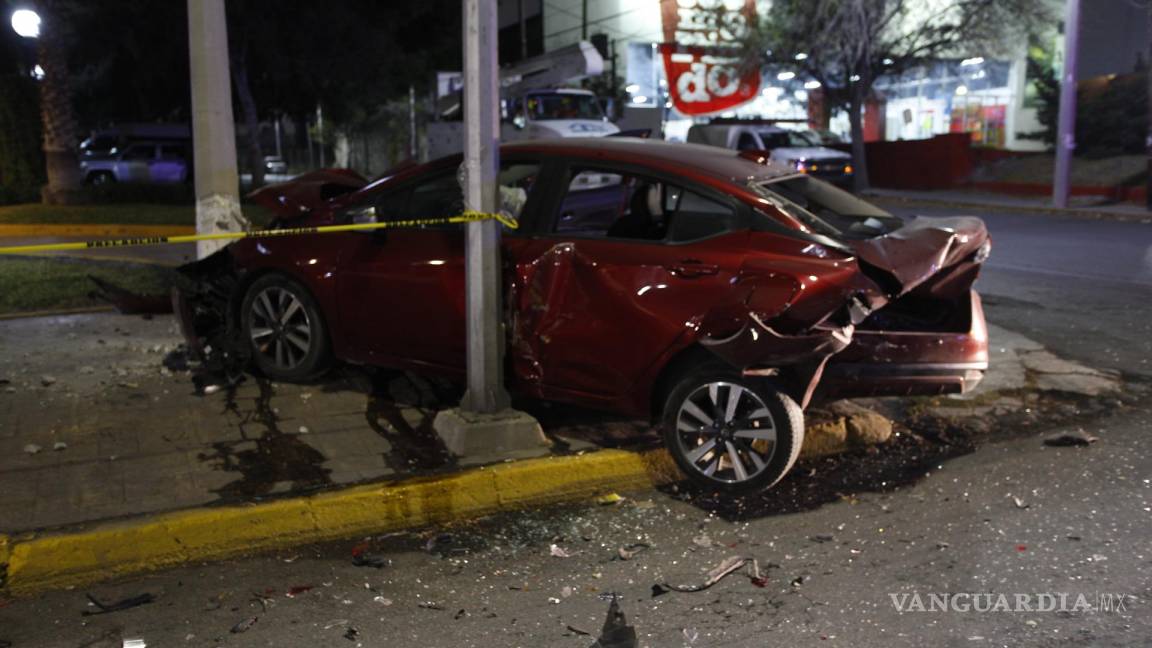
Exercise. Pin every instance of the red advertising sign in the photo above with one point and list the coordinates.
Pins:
(701, 56)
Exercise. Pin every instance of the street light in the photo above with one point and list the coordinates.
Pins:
(26, 23)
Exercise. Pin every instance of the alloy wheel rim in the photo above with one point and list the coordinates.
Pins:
(281, 330)
(726, 432)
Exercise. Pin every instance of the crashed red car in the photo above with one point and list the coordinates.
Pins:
(710, 290)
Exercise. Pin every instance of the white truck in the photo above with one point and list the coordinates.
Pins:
(534, 102)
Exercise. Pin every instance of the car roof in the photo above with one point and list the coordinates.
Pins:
(689, 159)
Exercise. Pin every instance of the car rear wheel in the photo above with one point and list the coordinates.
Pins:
(732, 433)
(285, 330)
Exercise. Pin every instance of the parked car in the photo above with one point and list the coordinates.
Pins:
(275, 164)
(714, 291)
(139, 162)
(803, 150)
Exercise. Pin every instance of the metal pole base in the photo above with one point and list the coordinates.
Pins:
(486, 438)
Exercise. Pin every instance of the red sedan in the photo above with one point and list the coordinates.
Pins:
(713, 291)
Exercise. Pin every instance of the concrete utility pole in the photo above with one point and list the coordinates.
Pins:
(484, 428)
(1066, 130)
(1148, 140)
(213, 128)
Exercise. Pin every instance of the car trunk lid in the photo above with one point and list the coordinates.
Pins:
(911, 256)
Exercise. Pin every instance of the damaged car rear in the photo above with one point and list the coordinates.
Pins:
(714, 292)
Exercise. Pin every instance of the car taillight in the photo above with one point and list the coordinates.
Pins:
(848, 169)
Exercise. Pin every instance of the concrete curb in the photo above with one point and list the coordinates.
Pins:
(1080, 213)
(57, 312)
(108, 229)
(34, 562)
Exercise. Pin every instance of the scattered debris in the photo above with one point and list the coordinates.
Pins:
(124, 604)
(383, 601)
(59, 445)
(715, 575)
(460, 614)
(437, 540)
(616, 632)
(942, 545)
(244, 626)
(351, 634)
(1020, 504)
(134, 643)
(609, 499)
(559, 552)
(629, 551)
(176, 359)
(702, 540)
(798, 581)
(47, 380)
(821, 537)
(361, 558)
(32, 448)
(303, 429)
(571, 628)
(430, 605)
(1070, 439)
(293, 592)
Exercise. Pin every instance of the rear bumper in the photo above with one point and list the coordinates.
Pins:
(902, 363)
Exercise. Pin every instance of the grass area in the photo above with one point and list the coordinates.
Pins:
(126, 214)
(58, 283)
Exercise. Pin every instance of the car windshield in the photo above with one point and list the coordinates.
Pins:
(789, 139)
(826, 209)
(561, 105)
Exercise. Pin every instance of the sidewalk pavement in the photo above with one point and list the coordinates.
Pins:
(93, 427)
(1091, 207)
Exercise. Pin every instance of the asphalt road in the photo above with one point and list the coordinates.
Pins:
(1013, 518)
(1081, 287)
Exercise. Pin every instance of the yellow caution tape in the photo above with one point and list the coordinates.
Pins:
(466, 217)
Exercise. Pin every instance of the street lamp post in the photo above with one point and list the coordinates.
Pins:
(1066, 128)
(484, 427)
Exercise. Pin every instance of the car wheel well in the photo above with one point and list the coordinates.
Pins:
(790, 380)
(690, 358)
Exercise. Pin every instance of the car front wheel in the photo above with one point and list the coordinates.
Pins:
(285, 330)
(732, 433)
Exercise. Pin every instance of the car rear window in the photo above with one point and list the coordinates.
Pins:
(826, 209)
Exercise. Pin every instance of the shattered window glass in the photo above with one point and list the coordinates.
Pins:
(826, 209)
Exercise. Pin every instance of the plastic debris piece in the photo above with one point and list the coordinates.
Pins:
(59, 445)
(616, 632)
(629, 551)
(32, 448)
(293, 592)
(351, 634)
(47, 381)
(1070, 440)
(715, 575)
(244, 626)
(573, 629)
(303, 429)
(361, 558)
(1020, 504)
(135, 643)
(383, 601)
(123, 604)
(559, 552)
(609, 499)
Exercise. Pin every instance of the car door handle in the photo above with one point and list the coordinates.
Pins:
(691, 268)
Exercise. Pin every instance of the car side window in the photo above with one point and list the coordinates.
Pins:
(140, 153)
(747, 142)
(441, 196)
(607, 204)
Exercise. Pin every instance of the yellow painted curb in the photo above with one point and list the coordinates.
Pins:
(37, 562)
(89, 230)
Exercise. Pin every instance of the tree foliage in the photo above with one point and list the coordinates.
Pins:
(21, 159)
(847, 44)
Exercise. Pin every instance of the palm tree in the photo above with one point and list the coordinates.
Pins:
(56, 115)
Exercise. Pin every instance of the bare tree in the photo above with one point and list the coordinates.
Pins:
(846, 45)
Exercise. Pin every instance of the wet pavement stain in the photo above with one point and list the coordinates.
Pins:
(265, 456)
(401, 409)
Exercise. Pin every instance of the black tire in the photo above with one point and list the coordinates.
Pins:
(742, 447)
(99, 178)
(285, 330)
